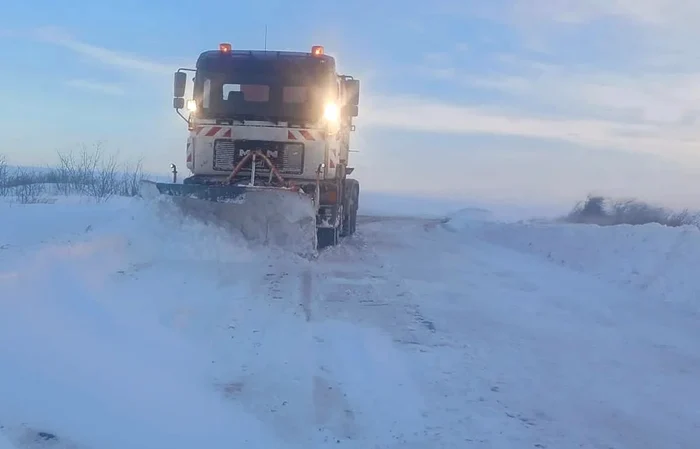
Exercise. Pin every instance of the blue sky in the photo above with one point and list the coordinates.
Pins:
(506, 99)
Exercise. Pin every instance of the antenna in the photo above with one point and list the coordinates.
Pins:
(265, 37)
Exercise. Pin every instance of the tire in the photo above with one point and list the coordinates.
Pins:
(351, 223)
(327, 237)
(356, 208)
(352, 188)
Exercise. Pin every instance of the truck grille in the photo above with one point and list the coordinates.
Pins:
(287, 157)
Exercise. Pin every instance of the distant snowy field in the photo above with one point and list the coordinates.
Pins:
(441, 324)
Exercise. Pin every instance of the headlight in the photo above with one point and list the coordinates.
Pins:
(331, 112)
(191, 105)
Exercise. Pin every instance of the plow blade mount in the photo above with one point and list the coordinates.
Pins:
(276, 216)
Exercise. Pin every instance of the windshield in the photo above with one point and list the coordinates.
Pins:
(255, 90)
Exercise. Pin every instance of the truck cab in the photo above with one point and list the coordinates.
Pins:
(291, 105)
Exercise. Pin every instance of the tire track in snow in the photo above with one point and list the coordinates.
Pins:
(358, 279)
(289, 379)
(358, 284)
(306, 292)
(353, 385)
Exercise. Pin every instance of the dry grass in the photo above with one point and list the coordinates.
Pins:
(88, 172)
(609, 212)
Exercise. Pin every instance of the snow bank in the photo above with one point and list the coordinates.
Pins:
(655, 259)
(5, 443)
(90, 358)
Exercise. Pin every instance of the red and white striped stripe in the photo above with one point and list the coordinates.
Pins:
(304, 134)
(213, 131)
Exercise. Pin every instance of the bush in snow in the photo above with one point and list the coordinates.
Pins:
(27, 187)
(95, 175)
(87, 172)
(608, 212)
(23, 184)
(3, 175)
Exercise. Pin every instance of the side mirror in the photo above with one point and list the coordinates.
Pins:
(179, 103)
(352, 91)
(180, 81)
(350, 110)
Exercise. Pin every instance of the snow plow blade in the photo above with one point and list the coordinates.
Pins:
(274, 216)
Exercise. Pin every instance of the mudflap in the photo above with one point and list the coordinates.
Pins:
(278, 217)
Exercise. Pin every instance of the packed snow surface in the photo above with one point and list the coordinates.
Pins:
(123, 326)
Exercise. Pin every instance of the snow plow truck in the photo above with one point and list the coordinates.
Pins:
(268, 145)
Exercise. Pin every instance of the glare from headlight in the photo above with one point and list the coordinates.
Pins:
(191, 105)
(331, 113)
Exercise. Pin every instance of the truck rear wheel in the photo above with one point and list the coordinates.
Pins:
(351, 203)
(327, 237)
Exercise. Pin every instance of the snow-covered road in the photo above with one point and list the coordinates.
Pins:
(122, 328)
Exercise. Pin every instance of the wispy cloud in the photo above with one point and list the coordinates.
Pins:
(651, 97)
(653, 26)
(657, 13)
(95, 86)
(619, 74)
(650, 13)
(416, 114)
(120, 60)
(662, 97)
(629, 26)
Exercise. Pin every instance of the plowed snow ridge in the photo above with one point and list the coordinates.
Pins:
(121, 327)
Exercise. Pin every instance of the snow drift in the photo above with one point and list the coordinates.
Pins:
(88, 360)
(121, 326)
